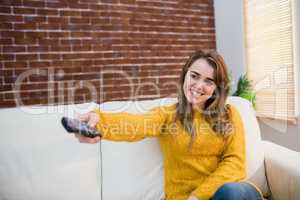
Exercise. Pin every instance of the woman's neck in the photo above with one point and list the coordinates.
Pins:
(198, 107)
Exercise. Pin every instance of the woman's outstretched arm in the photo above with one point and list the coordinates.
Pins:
(124, 126)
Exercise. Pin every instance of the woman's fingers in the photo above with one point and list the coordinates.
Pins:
(84, 117)
(83, 139)
(93, 120)
(90, 118)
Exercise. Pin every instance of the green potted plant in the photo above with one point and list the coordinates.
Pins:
(245, 90)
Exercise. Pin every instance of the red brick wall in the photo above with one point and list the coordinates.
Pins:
(66, 51)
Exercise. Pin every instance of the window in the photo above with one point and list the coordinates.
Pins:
(270, 57)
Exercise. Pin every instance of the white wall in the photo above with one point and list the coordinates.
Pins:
(229, 22)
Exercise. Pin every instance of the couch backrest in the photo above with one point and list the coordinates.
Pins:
(39, 160)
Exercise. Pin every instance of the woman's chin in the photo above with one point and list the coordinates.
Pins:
(196, 103)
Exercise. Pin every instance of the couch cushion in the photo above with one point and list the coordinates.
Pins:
(39, 160)
(133, 171)
(254, 148)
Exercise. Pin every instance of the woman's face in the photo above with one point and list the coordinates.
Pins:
(199, 83)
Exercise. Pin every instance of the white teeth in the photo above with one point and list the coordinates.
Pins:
(196, 94)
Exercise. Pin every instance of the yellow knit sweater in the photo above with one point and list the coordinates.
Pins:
(200, 170)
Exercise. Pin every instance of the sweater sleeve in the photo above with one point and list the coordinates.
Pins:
(232, 166)
(124, 126)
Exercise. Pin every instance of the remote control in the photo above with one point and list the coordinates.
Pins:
(77, 127)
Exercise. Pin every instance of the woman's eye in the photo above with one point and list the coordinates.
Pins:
(209, 82)
(194, 76)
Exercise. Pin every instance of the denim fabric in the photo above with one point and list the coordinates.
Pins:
(237, 191)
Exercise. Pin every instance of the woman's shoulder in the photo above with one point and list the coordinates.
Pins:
(234, 113)
(231, 108)
(166, 109)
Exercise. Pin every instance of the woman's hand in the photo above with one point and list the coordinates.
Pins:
(192, 197)
(91, 119)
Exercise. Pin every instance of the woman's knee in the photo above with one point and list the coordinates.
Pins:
(236, 191)
(230, 191)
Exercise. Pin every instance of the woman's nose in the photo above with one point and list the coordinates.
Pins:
(199, 84)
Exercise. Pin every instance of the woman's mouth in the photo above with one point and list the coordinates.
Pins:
(196, 93)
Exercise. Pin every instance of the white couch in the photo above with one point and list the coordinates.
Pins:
(40, 161)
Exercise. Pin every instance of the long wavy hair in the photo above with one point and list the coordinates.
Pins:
(215, 111)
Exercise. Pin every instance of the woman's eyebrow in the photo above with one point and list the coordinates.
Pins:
(198, 74)
(195, 73)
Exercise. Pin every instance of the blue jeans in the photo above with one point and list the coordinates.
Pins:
(237, 191)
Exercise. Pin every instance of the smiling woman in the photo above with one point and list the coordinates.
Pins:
(204, 148)
(204, 86)
(199, 83)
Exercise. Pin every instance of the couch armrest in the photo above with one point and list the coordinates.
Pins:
(283, 171)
